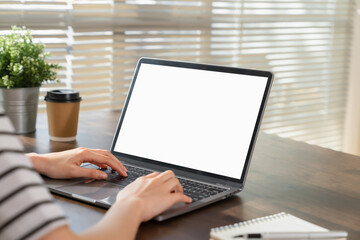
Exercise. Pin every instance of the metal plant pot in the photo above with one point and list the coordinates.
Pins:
(21, 106)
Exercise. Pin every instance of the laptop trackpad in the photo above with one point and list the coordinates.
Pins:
(96, 190)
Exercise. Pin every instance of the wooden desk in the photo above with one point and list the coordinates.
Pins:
(313, 183)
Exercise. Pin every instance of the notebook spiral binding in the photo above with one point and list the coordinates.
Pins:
(250, 222)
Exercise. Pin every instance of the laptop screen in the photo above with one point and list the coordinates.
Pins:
(195, 118)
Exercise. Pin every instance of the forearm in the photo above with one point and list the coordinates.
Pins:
(120, 222)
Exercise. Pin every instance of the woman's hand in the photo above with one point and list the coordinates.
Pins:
(66, 164)
(153, 194)
(140, 201)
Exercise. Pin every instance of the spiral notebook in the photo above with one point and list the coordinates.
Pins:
(281, 222)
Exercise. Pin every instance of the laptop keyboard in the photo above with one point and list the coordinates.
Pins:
(133, 174)
(198, 191)
(193, 189)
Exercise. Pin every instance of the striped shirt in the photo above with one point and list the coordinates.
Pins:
(27, 210)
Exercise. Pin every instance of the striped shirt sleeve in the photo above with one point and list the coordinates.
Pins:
(27, 210)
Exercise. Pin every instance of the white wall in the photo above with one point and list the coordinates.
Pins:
(352, 124)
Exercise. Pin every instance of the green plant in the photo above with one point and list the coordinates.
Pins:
(22, 61)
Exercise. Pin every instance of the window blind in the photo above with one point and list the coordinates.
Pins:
(305, 43)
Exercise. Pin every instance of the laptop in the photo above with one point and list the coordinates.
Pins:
(199, 120)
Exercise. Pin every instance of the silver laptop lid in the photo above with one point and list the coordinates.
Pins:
(194, 117)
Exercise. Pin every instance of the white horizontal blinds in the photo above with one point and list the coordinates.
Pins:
(91, 61)
(91, 52)
(304, 42)
(306, 45)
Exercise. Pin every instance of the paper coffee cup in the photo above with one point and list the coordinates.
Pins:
(62, 107)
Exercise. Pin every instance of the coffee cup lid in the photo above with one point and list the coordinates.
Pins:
(63, 96)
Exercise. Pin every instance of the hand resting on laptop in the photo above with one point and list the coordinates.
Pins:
(140, 201)
(66, 164)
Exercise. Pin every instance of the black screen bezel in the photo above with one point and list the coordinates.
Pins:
(207, 67)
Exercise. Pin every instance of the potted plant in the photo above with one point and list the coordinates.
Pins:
(23, 69)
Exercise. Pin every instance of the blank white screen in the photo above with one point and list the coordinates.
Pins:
(198, 119)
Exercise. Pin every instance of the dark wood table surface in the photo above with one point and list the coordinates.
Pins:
(317, 184)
